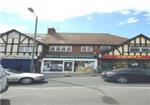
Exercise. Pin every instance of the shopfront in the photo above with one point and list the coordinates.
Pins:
(132, 53)
(58, 65)
(132, 62)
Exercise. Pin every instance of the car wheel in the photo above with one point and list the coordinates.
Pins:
(122, 80)
(26, 80)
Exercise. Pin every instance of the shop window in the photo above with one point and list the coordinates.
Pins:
(106, 65)
(53, 66)
(120, 64)
(135, 64)
(84, 66)
(147, 64)
(68, 65)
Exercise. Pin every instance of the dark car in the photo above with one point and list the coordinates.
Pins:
(127, 75)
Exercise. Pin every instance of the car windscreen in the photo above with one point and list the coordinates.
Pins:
(12, 71)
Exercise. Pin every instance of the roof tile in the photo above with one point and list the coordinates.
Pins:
(83, 38)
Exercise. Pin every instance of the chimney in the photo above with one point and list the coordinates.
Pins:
(51, 31)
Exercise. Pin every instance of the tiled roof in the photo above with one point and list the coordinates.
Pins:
(83, 38)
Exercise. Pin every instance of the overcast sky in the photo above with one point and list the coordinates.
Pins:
(121, 17)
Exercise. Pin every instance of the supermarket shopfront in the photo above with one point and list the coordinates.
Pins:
(58, 65)
(132, 53)
(117, 62)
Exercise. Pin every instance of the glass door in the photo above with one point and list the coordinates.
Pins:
(68, 66)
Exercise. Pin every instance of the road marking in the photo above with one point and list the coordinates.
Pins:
(42, 88)
(77, 87)
(128, 87)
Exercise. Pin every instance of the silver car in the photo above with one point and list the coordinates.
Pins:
(3, 80)
(24, 78)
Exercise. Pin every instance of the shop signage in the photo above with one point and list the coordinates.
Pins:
(17, 57)
(70, 56)
(125, 57)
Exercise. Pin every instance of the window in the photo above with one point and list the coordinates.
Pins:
(147, 64)
(69, 49)
(145, 49)
(139, 49)
(52, 48)
(25, 49)
(104, 48)
(86, 49)
(53, 66)
(134, 49)
(2, 47)
(60, 48)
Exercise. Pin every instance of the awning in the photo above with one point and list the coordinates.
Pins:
(126, 57)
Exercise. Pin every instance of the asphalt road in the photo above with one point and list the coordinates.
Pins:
(77, 91)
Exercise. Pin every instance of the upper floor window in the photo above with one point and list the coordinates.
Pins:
(25, 49)
(2, 47)
(86, 48)
(139, 49)
(60, 48)
(145, 49)
(105, 47)
(134, 49)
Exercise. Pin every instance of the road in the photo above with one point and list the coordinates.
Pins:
(77, 91)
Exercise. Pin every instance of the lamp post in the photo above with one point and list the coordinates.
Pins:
(32, 66)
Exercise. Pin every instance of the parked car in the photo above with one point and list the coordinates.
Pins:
(3, 80)
(127, 75)
(24, 78)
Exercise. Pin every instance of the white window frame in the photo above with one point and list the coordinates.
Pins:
(86, 48)
(52, 48)
(105, 47)
(140, 49)
(68, 48)
(55, 48)
(25, 48)
(130, 48)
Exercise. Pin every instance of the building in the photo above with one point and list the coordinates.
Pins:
(134, 52)
(60, 52)
(16, 50)
(75, 52)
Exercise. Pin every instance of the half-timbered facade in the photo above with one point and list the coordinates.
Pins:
(132, 53)
(16, 50)
(75, 52)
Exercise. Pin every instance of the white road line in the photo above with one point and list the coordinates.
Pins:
(128, 87)
(77, 87)
(42, 88)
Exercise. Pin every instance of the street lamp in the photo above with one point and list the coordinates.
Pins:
(32, 66)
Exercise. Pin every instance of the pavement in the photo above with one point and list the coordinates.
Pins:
(57, 75)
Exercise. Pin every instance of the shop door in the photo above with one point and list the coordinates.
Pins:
(68, 66)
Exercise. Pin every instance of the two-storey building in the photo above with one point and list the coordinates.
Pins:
(16, 50)
(75, 52)
(134, 52)
(61, 52)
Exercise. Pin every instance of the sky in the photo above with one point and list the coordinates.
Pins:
(126, 18)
